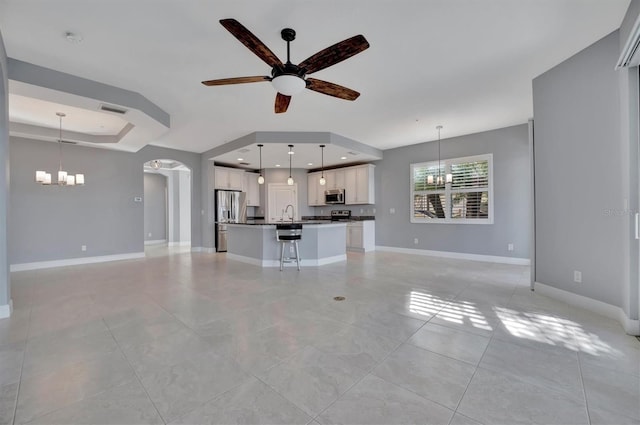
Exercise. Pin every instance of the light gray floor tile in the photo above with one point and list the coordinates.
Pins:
(378, 319)
(125, 404)
(546, 368)
(608, 417)
(459, 419)
(11, 356)
(252, 402)
(14, 329)
(612, 391)
(41, 394)
(259, 351)
(8, 395)
(433, 376)
(496, 398)
(145, 332)
(452, 343)
(310, 327)
(47, 354)
(166, 351)
(360, 347)
(312, 379)
(183, 387)
(376, 401)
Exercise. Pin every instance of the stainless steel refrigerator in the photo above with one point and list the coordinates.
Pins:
(231, 207)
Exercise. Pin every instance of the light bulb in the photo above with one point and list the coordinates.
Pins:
(62, 177)
(323, 181)
(260, 179)
(290, 181)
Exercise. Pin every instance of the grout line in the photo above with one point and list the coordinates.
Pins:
(24, 355)
(584, 391)
(134, 372)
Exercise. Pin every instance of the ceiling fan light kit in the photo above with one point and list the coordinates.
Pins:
(287, 78)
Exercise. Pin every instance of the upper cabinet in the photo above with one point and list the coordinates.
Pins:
(252, 188)
(229, 178)
(357, 182)
(315, 191)
(359, 185)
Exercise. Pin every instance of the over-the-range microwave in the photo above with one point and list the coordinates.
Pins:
(334, 196)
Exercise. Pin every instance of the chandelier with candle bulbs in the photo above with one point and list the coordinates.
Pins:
(64, 178)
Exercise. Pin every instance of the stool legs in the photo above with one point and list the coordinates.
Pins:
(282, 244)
(297, 255)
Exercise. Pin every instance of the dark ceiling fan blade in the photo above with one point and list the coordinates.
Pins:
(236, 80)
(282, 103)
(252, 42)
(334, 54)
(332, 89)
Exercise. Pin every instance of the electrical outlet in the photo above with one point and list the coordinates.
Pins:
(415, 241)
(83, 248)
(577, 276)
(510, 247)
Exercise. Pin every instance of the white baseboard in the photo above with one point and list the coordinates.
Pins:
(155, 242)
(457, 255)
(276, 263)
(203, 249)
(6, 310)
(74, 261)
(180, 243)
(632, 327)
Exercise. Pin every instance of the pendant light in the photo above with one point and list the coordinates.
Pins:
(260, 177)
(323, 181)
(290, 179)
(439, 179)
(64, 178)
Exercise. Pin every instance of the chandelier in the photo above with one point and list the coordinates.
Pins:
(64, 178)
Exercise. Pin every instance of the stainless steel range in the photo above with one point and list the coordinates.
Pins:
(340, 215)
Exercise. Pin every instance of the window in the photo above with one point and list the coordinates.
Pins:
(463, 195)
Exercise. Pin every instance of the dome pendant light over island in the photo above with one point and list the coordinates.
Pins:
(323, 181)
(260, 177)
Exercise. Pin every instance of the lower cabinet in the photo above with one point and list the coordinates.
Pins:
(361, 236)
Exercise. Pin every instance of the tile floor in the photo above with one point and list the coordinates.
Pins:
(186, 338)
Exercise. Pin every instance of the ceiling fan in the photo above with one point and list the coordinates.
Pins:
(289, 79)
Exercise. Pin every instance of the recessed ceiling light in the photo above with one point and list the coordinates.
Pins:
(240, 159)
(277, 165)
(73, 37)
(343, 157)
(309, 163)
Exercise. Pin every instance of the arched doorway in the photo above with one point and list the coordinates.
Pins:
(167, 203)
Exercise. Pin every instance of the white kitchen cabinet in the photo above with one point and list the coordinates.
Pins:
(335, 179)
(229, 178)
(252, 188)
(361, 236)
(359, 185)
(315, 192)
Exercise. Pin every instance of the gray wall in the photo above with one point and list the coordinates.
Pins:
(101, 215)
(155, 207)
(184, 206)
(51, 223)
(511, 189)
(5, 282)
(582, 219)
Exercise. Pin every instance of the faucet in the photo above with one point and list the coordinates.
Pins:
(293, 212)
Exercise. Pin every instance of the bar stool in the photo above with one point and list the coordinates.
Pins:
(289, 234)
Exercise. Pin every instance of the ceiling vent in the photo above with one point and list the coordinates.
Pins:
(113, 109)
(68, 142)
(244, 163)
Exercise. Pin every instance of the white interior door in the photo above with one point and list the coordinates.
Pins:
(279, 196)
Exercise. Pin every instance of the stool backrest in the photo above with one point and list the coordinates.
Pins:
(289, 231)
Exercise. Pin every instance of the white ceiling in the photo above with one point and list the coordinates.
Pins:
(465, 64)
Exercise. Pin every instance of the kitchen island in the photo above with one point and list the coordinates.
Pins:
(323, 242)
